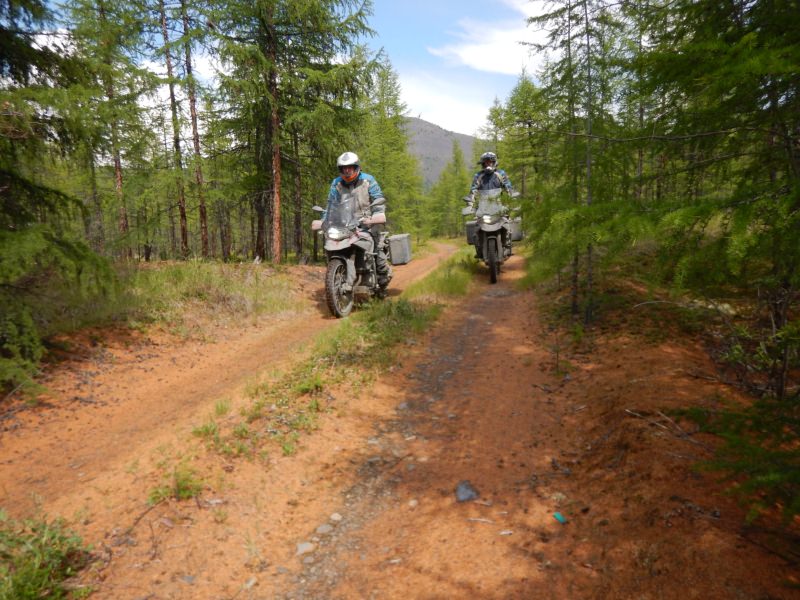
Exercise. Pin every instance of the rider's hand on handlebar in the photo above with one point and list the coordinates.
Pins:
(365, 221)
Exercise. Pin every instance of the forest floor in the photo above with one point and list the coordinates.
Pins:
(585, 483)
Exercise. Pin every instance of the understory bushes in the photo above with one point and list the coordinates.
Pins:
(173, 294)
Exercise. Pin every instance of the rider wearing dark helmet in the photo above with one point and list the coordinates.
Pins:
(352, 179)
(490, 177)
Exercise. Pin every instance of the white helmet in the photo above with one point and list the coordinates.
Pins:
(348, 159)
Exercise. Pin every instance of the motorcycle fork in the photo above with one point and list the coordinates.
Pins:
(489, 238)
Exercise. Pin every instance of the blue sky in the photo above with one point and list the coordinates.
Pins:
(454, 57)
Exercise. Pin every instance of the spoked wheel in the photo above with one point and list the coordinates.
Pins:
(491, 259)
(339, 301)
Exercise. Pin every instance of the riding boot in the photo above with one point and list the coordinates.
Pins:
(384, 271)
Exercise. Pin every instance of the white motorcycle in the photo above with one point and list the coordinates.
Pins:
(352, 274)
(493, 230)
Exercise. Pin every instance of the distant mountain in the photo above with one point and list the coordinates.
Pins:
(433, 147)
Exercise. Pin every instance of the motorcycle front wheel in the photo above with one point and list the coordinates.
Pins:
(491, 259)
(339, 301)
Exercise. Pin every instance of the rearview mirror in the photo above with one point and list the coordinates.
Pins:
(317, 208)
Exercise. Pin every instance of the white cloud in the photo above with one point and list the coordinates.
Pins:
(438, 101)
(205, 67)
(528, 8)
(494, 46)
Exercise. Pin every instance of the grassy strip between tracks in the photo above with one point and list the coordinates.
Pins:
(290, 404)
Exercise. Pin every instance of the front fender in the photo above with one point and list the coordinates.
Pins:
(494, 238)
(340, 245)
(491, 227)
(349, 259)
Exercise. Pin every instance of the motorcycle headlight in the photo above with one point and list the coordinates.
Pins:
(336, 233)
(489, 219)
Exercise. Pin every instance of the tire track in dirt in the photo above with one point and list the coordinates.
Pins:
(102, 415)
(481, 402)
(366, 508)
(465, 408)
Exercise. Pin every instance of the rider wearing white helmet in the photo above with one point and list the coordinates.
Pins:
(352, 179)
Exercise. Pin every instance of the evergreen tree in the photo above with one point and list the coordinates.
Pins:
(189, 38)
(384, 149)
(729, 75)
(36, 241)
(108, 38)
(291, 63)
(445, 198)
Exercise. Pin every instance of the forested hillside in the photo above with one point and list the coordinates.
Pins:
(433, 147)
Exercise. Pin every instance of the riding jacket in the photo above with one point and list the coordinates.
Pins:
(491, 181)
(366, 190)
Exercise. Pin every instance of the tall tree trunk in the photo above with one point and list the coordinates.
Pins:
(574, 292)
(124, 228)
(198, 168)
(589, 107)
(122, 218)
(640, 152)
(176, 135)
(298, 197)
(275, 135)
(96, 230)
(259, 234)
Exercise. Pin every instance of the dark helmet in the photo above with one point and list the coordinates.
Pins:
(348, 159)
(488, 157)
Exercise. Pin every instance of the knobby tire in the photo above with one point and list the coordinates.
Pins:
(491, 259)
(339, 302)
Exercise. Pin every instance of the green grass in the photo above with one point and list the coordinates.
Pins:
(452, 279)
(222, 408)
(37, 557)
(181, 484)
(171, 293)
(290, 403)
(208, 430)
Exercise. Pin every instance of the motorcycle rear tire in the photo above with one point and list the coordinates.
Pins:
(491, 259)
(339, 302)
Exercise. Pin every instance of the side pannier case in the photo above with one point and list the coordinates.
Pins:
(472, 227)
(515, 226)
(400, 248)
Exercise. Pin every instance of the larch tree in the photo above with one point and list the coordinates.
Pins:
(36, 241)
(384, 148)
(108, 36)
(177, 150)
(287, 56)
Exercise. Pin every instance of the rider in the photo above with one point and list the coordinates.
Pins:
(353, 179)
(490, 178)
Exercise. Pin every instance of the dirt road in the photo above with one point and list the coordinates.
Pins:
(584, 485)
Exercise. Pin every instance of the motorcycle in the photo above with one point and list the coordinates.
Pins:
(493, 230)
(352, 274)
